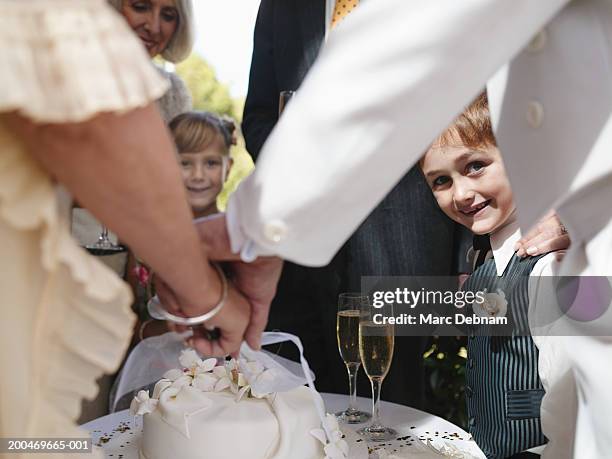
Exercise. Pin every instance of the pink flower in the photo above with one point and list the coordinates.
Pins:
(142, 274)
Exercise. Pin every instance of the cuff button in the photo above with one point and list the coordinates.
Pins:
(275, 231)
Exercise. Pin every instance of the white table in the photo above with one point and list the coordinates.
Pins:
(116, 432)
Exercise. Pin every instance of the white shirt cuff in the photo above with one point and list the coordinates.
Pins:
(239, 242)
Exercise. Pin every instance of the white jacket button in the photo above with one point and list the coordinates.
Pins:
(275, 231)
(538, 42)
(535, 114)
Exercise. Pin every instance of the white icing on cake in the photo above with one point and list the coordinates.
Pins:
(275, 428)
(211, 411)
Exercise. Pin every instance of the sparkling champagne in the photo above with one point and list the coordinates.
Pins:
(347, 331)
(376, 348)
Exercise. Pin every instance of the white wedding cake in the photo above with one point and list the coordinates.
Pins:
(215, 411)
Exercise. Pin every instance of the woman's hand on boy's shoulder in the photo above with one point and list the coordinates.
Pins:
(548, 235)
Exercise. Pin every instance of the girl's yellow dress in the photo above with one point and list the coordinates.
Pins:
(65, 318)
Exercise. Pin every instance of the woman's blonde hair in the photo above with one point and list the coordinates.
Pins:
(180, 45)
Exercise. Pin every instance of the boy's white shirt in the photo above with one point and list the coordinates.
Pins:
(502, 245)
(559, 405)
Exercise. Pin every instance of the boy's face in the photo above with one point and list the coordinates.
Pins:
(203, 176)
(470, 185)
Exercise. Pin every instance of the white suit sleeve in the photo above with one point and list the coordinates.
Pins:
(391, 77)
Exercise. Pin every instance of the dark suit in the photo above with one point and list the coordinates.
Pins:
(405, 235)
(288, 36)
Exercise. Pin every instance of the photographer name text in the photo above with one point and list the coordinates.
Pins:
(433, 319)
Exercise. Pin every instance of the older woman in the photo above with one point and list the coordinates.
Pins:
(65, 317)
(166, 29)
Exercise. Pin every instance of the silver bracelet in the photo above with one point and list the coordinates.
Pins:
(157, 311)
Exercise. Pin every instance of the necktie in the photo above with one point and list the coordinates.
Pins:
(482, 246)
(342, 9)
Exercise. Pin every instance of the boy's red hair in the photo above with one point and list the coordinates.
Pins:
(473, 126)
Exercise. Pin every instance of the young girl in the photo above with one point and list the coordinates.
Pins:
(466, 174)
(203, 141)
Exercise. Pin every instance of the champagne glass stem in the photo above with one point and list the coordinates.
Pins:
(104, 235)
(376, 385)
(353, 369)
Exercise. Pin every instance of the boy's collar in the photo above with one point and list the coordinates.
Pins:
(502, 245)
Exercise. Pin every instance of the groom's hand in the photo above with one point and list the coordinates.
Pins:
(256, 280)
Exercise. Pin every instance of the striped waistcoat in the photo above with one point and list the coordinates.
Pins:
(503, 389)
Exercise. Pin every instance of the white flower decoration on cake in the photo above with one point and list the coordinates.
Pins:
(194, 364)
(493, 305)
(207, 376)
(223, 378)
(189, 358)
(205, 382)
(142, 404)
(238, 376)
(232, 379)
(256, 376)
(173, 375)
(337, 447)
(177, 378)
(161, 386)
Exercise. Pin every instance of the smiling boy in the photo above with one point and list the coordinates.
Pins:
(465, 172)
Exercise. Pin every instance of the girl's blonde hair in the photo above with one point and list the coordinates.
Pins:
(180, 45)
(194, 131)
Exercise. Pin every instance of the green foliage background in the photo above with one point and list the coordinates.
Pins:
(444, 364)
(211, 95)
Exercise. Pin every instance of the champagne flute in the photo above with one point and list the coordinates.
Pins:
(104, 246)
(376, 341)
(347, 332)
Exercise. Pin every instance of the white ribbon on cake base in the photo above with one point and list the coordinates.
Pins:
(286, 380)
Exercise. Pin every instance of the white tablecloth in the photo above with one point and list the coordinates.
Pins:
(418, 425)
(113, 431)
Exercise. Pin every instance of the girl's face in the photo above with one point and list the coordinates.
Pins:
(471, 186)
(204, 173)
(154, 21)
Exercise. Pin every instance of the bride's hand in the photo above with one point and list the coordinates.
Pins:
(231, 321)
